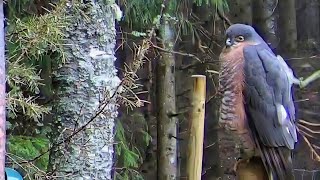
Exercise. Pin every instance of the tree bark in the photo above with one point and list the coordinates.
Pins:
(308, 29)
(287, 25)
(240, 11)
(2, 95)
(264, 20)
(167, 122)
(83, 82)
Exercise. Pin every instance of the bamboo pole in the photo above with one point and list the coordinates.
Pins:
(195, 146)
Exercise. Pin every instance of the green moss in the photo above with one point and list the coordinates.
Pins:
(28, 148)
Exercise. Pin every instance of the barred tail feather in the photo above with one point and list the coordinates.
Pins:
(277, 161)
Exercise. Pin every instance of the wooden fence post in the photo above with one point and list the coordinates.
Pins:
(196, 128)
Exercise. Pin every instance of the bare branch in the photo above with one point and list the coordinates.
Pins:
(313, 151)
(213, 71)
(179, 53)
(223, 17)
(308, 123)
(311, 78)
(308, 129)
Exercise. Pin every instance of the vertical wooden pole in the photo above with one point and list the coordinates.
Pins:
(195, 146)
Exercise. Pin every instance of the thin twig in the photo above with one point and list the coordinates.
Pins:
(308, 123)
(317, 157)
(308, 129)
(213, 71)
(79, 129)
(223, 17)
(302, 58)
(176, 52)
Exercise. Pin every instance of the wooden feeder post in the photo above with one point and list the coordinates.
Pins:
(196, 131)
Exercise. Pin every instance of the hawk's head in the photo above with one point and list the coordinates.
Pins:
(240, 33)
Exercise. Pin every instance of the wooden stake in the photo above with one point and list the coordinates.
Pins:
(195, 146)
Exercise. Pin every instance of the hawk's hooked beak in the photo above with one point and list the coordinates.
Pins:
(229, 42)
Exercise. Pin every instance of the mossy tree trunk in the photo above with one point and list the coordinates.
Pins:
(166, 105)
(83, 82)
(287, 25)
(2, 95)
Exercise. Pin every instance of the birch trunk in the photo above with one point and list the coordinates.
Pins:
(83, 81)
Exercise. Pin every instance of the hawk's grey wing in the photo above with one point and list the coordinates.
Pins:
(288, 71)
(270, 109)
(268, 97)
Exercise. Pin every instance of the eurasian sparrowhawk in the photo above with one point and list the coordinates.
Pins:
(257, 105)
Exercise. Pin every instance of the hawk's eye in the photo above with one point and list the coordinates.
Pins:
(239, 38)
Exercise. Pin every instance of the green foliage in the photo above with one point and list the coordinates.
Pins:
(132, 140)
(19, 8)
(139, 14)
(126, 156)
(24, 148)
(126, 174)
(32, 37)
(19, 103)
(221, 4)
(188, 26)
(29, 38)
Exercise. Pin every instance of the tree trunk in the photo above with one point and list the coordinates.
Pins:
(264, 20)
(2, 95)
(83, 82)
(240, 11)
(167, 122)
(287, 25)
(308, 31)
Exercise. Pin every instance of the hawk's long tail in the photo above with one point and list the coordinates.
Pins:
(277, 161)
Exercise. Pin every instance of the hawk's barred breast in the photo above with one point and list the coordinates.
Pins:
(232, 111)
